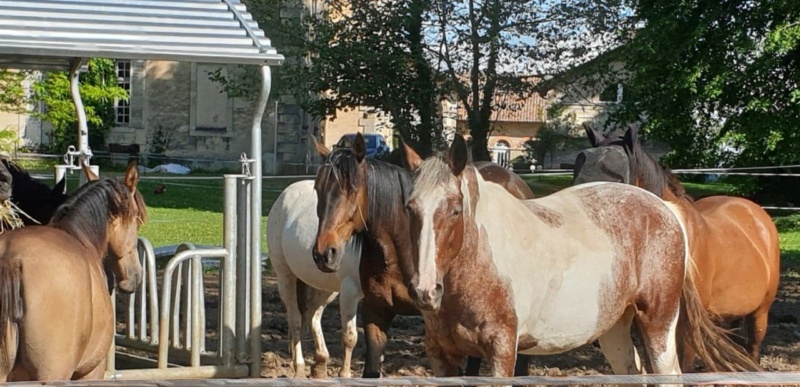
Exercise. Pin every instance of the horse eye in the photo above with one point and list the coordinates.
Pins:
(457, 210)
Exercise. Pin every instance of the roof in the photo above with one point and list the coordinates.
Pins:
(49, 34)
(517, 109)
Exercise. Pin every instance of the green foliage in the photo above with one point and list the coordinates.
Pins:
(12, 92)
(708, 74)
(98, 89)
(9, 140)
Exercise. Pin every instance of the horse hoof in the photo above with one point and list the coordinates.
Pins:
(373, 375)
(319, 371)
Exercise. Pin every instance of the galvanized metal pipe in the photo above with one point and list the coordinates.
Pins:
(111, 363)
(255, 221)
(228, 300)
(197, 320)
(152, 292)
(242, 277)
(74, 91)
(204, 372)
(179, 258)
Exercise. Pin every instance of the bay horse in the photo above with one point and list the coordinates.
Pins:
(734, 241)
(304, 289)
(36, 199)
(56, 316)
(495, 275)
(366, 198)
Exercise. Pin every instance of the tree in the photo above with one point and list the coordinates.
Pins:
(98, 88)
(489, 48)
(708, 74)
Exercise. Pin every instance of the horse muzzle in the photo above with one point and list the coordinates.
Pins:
(429, 300)
(327, 261)
(130, 284)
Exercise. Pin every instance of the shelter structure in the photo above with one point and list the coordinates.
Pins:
(52, 35)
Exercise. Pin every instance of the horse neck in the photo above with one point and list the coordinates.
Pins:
(385, 204)
(92, 234)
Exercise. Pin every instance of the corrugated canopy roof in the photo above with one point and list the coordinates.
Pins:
(48, 34)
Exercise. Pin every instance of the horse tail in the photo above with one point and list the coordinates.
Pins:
(700, 330)
(11, 308)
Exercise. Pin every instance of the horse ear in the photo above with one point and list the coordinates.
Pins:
(61, 186)
(90, 176)
(631, 136)
(359, 147)
(593, 135)
(458, 155)
(132, 176)
(411, 159)
(322, 151)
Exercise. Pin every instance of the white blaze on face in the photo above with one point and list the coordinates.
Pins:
(427, 242)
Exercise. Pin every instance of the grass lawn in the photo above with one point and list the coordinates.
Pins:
(191, 210)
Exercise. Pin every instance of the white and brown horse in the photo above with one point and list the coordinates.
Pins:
(495, 275)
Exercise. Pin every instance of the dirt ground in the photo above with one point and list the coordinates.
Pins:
(405, 354)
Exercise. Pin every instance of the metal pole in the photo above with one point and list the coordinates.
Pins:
(255, 228)
(74, 90)
(228, 298)
(242, 290)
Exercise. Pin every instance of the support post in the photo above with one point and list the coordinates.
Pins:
(83, 127)
(228, 296)
(255, 228)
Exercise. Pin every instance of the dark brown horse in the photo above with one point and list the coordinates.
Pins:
(31, 196)
(56, 317)
(733, 240)
(366, 197)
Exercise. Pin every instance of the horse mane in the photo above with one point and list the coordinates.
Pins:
(434, 171)
(653, 176)
(86, 214)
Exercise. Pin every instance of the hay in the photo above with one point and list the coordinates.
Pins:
(10, 216)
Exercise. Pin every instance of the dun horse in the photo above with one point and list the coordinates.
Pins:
(495, 275)
(366, 198)
(733, 241)
(56, 317)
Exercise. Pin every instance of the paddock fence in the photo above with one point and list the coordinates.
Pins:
(754, 378)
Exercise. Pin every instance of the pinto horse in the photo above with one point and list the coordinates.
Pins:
(495, 275)
(366, 198)
(734, 241)
(33, 197)
(56, 316)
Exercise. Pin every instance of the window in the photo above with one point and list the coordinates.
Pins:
(211, 111)
(612, 93)
(122, 108)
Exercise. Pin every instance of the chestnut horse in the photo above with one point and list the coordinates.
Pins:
(56, 317)
(366, 198)
(734, 241)
(495, 275)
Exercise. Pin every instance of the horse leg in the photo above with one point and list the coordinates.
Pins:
(756, 329)
(98, 373)
(442, 364)
(658, 327)
(349, 296)
(319, 299)
(376, 327)
(618, 348)
(287, 289)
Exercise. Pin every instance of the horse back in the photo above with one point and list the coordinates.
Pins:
(67, 320)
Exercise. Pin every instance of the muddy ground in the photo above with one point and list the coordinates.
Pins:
(405, 355)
